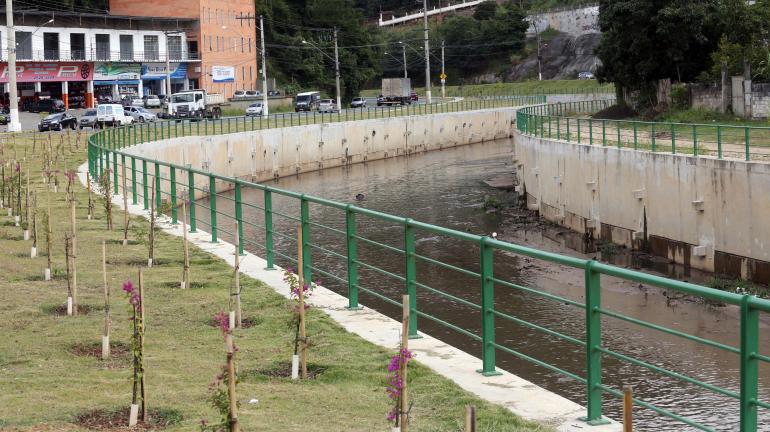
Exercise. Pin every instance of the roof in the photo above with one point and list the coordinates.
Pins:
(106, 15)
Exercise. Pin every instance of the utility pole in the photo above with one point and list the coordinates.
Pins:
(337, 70)
(168, 77)
(443, 75)
(14, 125)
(264, 66)
(403, 50)
(427, 50)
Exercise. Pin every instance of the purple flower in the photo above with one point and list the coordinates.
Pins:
(128, 287)
(222, 320)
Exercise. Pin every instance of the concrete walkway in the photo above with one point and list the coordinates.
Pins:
(521, 397)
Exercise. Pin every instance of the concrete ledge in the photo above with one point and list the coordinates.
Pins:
(520, 396)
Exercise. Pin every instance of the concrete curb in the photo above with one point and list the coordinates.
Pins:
(520, 396)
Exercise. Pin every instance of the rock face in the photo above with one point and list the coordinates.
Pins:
(564, 57)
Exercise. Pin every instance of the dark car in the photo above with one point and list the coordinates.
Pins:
(47, 105)
(4, 118)
(59, 121)
(413, 96)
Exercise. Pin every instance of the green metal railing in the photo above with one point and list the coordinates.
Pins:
(106, 154)
(561, 121)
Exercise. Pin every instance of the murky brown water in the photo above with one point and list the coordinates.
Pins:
(445, 188)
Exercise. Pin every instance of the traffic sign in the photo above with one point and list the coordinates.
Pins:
(442, 76)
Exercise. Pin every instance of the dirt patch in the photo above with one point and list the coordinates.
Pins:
(120, 242)
(117, 349)
(142, 262)
(178, 284)
(246, 322)
(282, 369)
(615, 112)
(61, 310)
(117, 419)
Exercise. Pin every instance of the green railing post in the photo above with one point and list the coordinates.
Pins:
(636, 141)
(146, 196)
(115, 173)
(350, 233)
(158, 199)
(673, 138)
(269, 254)
(107, 165)
(747, 137)
(593, 343)
(133, 181)
(590, 132)
(239, 214)
(604, 132)
(617, 127)
(213, 207)
(695, 140)
(307, 264)
(487, 309)
(719, 142)
(652, 134)
(578, 130)
(172, 179)
(410, 274)
(749, 365)
(191, 198)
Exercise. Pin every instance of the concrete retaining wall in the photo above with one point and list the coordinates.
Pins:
(703, 212)
(271, 153)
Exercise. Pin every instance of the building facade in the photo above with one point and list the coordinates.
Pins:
(225, 38)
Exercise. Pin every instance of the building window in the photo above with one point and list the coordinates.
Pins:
(51, 46)
(210, 49)
(102, 47)
(151, 50)
(242, 47)
(126, 47)
(243, 73)
(249, 44)
(174, 47)
(77, 46)
(23, 45)
(251, 75)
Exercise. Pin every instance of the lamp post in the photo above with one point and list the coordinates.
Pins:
(336, 65)
(399, 61)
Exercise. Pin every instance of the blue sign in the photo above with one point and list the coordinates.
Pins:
(157, 71)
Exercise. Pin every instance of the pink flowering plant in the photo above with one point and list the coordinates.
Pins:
(395, 382)
(134, 297)
(219, 395)
(105, 187)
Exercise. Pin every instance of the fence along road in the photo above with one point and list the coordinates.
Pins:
(106, 158)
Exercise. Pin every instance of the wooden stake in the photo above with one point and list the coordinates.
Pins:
(141, 346)
(404, 421)
(234, 427)
(48, 235)
(301, 291)
(125, 209)
(628, 405)
(67, 253)
(186, 267)
(237, 293)
(152, 227)
(470, 418)
(106, 335)
(74, 259)
(90, 196)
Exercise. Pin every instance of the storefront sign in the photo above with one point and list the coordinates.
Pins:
(223, 74)
(117, 71)
(157, 71)
(27, 72)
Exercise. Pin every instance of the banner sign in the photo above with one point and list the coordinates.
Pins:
(157, 71)
(27, 72)
(117, 71)
(223, 74)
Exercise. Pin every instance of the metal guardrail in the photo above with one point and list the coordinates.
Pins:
(561, 121)
(107, 158)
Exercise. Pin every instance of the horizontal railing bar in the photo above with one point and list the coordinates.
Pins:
(764, 405)
(383, 245)
(539, 328)
(294, 260)
(447, 266)
(296, 219)
(254, 243)
(539, 363)
(449, 325)
(245, 222)
(669, 331)
(449, 296)
(335, 230)
(254, 206)
(538, 293)
(669, 373)
(325, 273)
(378, 295)
(379, 270)
(279, 234)
(330, 252)
(761, 357)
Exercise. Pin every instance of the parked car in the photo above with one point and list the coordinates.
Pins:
(274, 93)
(380, 100)
(58, 121)
(77, 102)
(104, 99)
(239, 94)
(358, 102)
(327, 105)
(254, 109)
(152, 101)
(140, 114)
(586, 75)
(253, 93)
(47, 105)
(88, 119)
(112, 115)
(4, 118)
(413, 96)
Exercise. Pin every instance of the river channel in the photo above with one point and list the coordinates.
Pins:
(446, 188)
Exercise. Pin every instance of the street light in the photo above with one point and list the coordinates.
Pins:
(399, 61)
(336, 60)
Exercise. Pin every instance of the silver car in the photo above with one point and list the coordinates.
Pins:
(327, 105)
(140, 114)
(88, 120)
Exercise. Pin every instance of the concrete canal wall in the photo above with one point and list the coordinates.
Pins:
(699, 211)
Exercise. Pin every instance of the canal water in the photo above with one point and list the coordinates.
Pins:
(446, 188)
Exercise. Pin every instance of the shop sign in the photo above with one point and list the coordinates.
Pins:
(27, 72)
(117, 71)
(223, 74)
(156, 71)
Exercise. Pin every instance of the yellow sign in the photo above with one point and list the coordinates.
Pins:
(442, 76)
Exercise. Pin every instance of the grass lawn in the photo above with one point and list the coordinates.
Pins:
(45, 386)
(513, 88)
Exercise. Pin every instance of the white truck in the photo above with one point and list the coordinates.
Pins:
(395, 91)
(196, 104)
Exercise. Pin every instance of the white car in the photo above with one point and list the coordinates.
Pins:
(112, 115)
(253, 93)
(140, 114)
(254, 109)
(327, 105)
(152, 101)
(239, 94)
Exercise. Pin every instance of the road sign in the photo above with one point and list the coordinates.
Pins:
(443, 81)
(442, 76)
